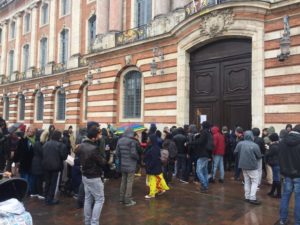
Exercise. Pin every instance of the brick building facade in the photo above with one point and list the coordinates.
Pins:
(65, 62)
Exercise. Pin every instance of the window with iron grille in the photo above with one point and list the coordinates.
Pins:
(21, 107)
(43, 52)
(65, 7)
(92, 30)
(25, 58)
(64, 42)
(132, 95)
(45, 14)
(11, 63)
(27, 23)
(6, 108)
(61, 105)
(39, 106)
(144, 12)
(13, 30)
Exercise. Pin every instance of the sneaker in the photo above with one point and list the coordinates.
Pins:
(149, 196)
(254, 202)
(221, 181)
(32, 196)
(131, 203)
(183, 181)
(138, 174)
(40, 197)
(279, 222)
(161, 192)
(246, 200)
(53, 202)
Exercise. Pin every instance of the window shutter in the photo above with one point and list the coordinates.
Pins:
(61, 106)
(40, 106)
(21, 107)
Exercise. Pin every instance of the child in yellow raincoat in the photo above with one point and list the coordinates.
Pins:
(155, 179)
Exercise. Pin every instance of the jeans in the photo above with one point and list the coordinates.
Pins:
(182, 167)
(276, 173)
(218, 164)
(251, 183)
(289, 186)
(202, 171)
(37, 184)
(94, 193)
(126, 187)
(260, 165)
(28, 177)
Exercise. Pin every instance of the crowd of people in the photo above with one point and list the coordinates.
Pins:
(52, 160)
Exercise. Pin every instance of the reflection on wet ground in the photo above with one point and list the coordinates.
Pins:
(223, 204)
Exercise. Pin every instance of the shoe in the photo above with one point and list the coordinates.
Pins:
(183, 181)
(279, 222)
(149, 196)
(254, 202)
(131, 203)
(138, 174)
(203, 189)
(221, 181)
(161, 192)
(40, 197)
(246, 200)
(53, 202)
(32, 196)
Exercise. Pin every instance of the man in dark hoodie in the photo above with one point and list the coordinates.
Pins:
(289, 158)
(249, 154)
(260, 142)
(182, 156)
(126, 152)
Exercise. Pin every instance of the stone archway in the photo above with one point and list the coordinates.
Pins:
(234, 28)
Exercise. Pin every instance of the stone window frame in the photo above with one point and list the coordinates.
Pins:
(5, 107)
(42, 16)
(58, 119)
(40, 52)
(68, 11)
(88, 42)
(25, 58)
(68, 51)
(21, 107)
(11, 62)
(27, 23)
(12, 30)
(39, 107)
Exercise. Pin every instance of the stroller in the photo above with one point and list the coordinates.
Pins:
(12, 211)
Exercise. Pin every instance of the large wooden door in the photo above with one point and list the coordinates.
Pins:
(220, 85)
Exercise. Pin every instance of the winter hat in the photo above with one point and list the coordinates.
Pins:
(92, 124)
(289, 126)
(274, 137)
(271, 130)
(239, 130)
(297, 128)
(283, 133)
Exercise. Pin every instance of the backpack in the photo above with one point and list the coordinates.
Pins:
(164, 156)
(210, 143)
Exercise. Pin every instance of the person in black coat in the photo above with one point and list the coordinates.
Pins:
(37, 168)
(54, 154)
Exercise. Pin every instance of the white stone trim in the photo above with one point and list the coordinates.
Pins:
(278, 34)
(52, 31)
(240, 28)
(102, 114)
(108, 80)
(170, 98)
(161, 112)
(103, 103)
(286, 70)
(166, 71)
(102, 92)
(76, 28)
(111, 68)
(162, 85)
(149, 60)
(288, 89)
(282, 108)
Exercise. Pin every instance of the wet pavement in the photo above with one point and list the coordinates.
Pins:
(223, 204)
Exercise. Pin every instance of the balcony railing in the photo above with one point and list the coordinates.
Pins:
(132, 35)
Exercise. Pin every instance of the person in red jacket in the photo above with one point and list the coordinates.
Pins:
(218, 153)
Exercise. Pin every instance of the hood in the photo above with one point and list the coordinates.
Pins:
(248, 135)
(271, 130)
(292, 139)
(128, 133)
(215, 130)
(193, 129)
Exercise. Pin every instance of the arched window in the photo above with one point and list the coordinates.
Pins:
(39, 106)
(27, 23)
(65, 7)
(11, 63)
(43, 52)
(144, 12)
(13, 30)
(64, 44)
(21, 107)
(132, 95)
(44, 14)
(6, 107)
(60, 104)
(25, 58)
(92, 30)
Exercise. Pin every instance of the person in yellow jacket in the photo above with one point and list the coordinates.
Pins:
(152, 160)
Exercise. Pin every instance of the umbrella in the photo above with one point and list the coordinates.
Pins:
(135, 127)
(14, 127)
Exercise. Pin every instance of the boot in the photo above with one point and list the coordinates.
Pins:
(271, 193)
(278, 189)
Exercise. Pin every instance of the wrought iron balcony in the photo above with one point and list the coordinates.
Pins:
(132, 35)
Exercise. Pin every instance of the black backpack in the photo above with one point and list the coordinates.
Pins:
(210, 142)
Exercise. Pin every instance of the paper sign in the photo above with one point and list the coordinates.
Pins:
(203, 118)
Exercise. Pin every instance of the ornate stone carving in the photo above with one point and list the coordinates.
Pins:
(216, 22)
(128, 60)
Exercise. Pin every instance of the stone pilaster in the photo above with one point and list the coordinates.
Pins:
(161, 7)
(33, 41)
(4, 26)
(52, 32)
(102, 16)
(115, 15)
(17, 42)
